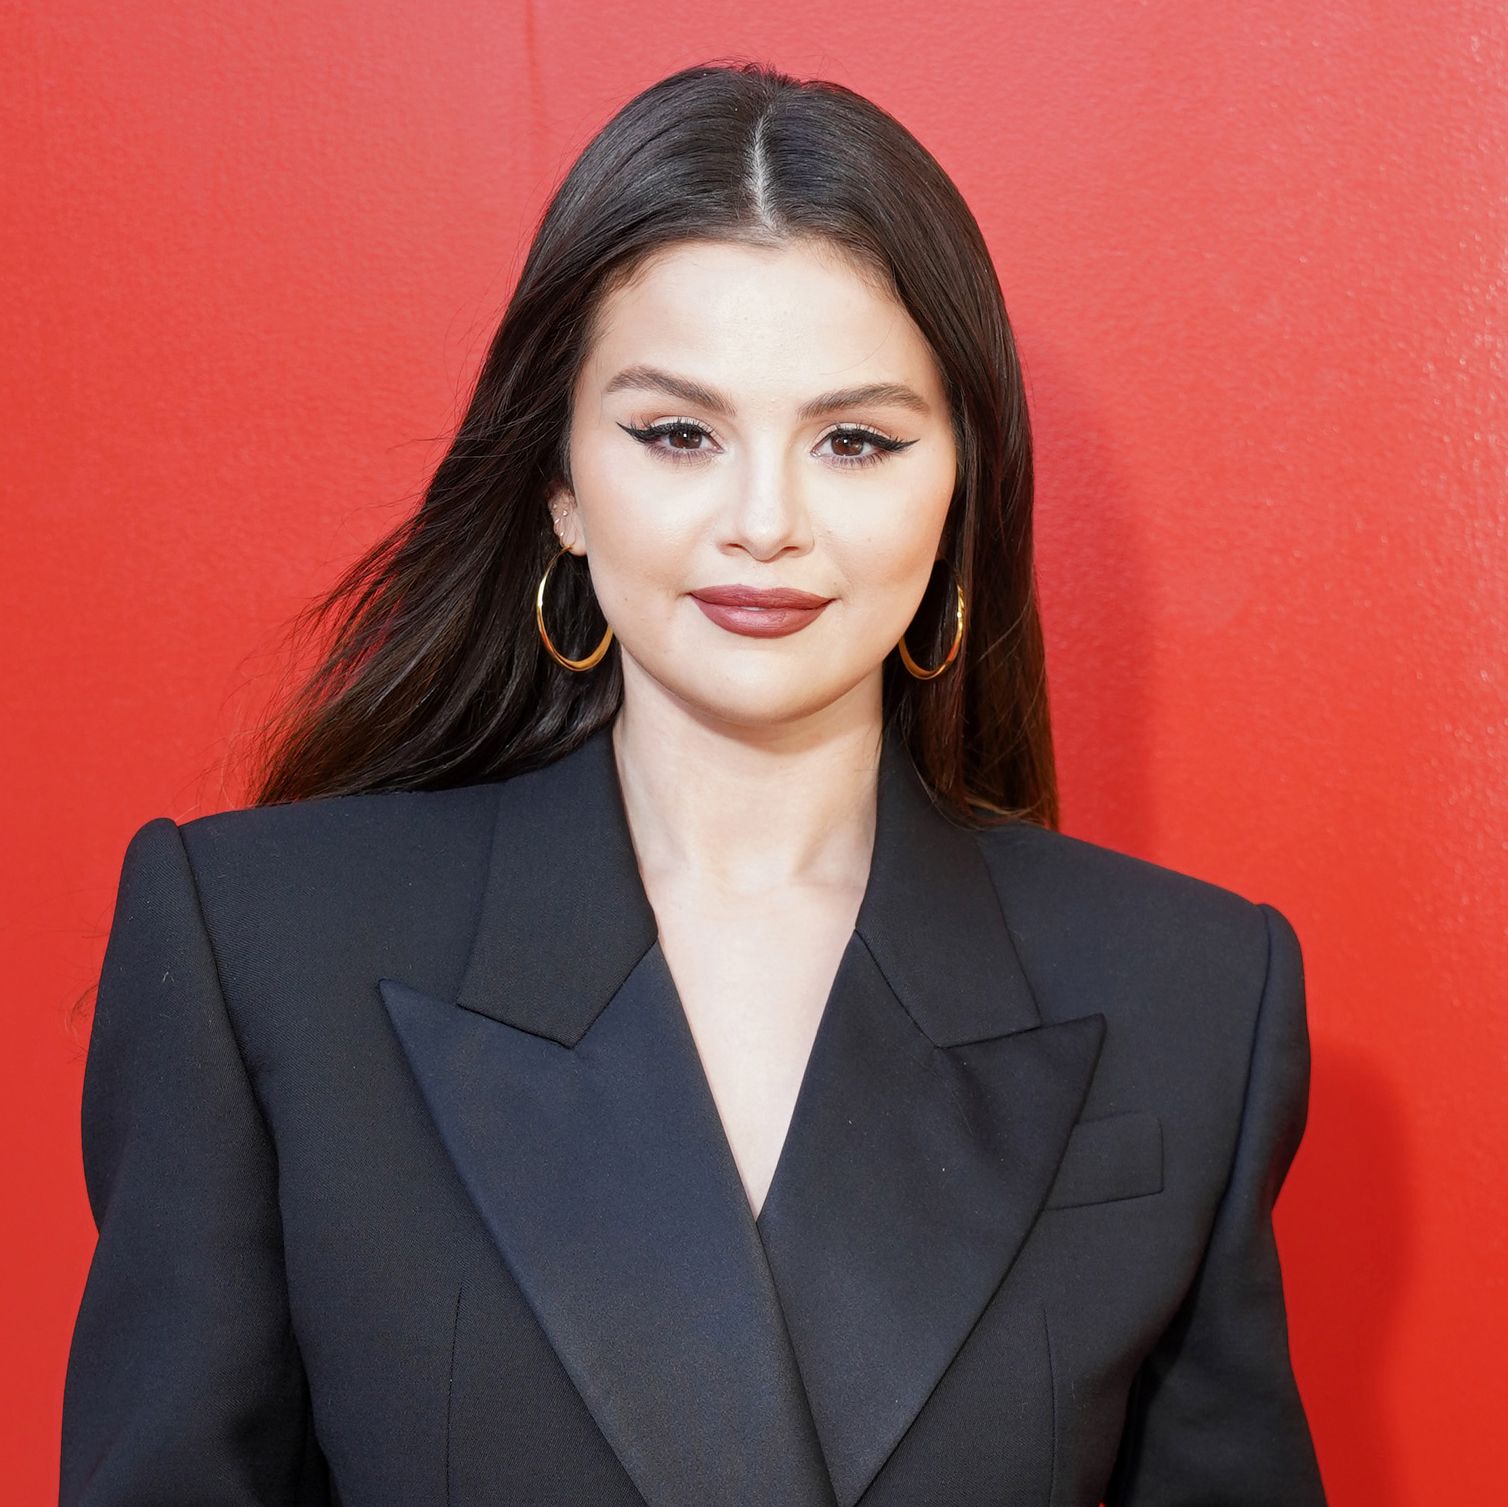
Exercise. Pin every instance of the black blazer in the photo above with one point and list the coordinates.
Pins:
(411, 1190)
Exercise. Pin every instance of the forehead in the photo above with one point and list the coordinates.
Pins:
(752, 317)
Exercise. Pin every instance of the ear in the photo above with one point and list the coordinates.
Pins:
(565, 519)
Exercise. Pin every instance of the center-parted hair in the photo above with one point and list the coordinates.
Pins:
(430, 671)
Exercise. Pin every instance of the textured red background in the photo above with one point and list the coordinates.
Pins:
(1255, 256)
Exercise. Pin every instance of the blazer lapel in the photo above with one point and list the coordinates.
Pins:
(934, 1112)
(726, 1359)
(565, 1084)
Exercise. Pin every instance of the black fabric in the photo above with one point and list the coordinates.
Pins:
(411, 1190)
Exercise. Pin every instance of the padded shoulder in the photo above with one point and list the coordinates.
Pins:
(336, 829)
(325, 894)
(1091, 921)
(1105, 875)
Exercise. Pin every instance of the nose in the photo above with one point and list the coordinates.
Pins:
(766, 511)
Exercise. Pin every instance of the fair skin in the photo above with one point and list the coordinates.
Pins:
(748, 763)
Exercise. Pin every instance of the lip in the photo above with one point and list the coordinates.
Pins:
(769, 613)
(755, 596)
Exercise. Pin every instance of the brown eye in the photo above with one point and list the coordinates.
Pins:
(651, 436)
(882, 445)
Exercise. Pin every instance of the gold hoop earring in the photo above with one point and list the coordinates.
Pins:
(952, 654)
(539, 620)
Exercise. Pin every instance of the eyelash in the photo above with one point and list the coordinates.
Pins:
(885, 444)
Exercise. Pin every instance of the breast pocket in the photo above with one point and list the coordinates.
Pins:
(1108, 1158)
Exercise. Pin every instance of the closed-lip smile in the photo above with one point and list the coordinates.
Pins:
(754, 596)
(759, 612)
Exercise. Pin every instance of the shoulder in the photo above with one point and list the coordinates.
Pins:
(334, 832)
(1106, 886)
(354, 847)
(1141, 939)
(324, 889)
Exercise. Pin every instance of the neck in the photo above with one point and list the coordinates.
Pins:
(742, 812)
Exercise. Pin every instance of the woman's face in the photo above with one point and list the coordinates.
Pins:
(721, 437)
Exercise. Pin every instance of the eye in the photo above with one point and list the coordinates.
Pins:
(679, 429)
(686, 437)
(850, 435)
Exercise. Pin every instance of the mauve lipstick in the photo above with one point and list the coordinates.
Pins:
(770, 612)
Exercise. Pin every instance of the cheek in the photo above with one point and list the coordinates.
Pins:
(637, 559)
(893, 591)
(631, 533)
(887, 570)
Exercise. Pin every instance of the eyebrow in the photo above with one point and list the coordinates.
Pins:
(652, 378)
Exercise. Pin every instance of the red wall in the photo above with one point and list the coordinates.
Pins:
(1255, 256)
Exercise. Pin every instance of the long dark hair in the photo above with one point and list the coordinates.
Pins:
(432, 672)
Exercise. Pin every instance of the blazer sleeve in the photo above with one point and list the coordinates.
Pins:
(1215, 1418)
(184, 1383)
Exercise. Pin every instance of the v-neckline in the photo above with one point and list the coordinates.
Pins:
(567, 1099)
(703, 1084)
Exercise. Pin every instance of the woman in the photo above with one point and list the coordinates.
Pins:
(648, 1043)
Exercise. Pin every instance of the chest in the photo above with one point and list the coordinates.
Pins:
(753, 984)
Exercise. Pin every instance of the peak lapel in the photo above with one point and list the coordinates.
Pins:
(935, 1109)
(726, 1359)
(565, 1085)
